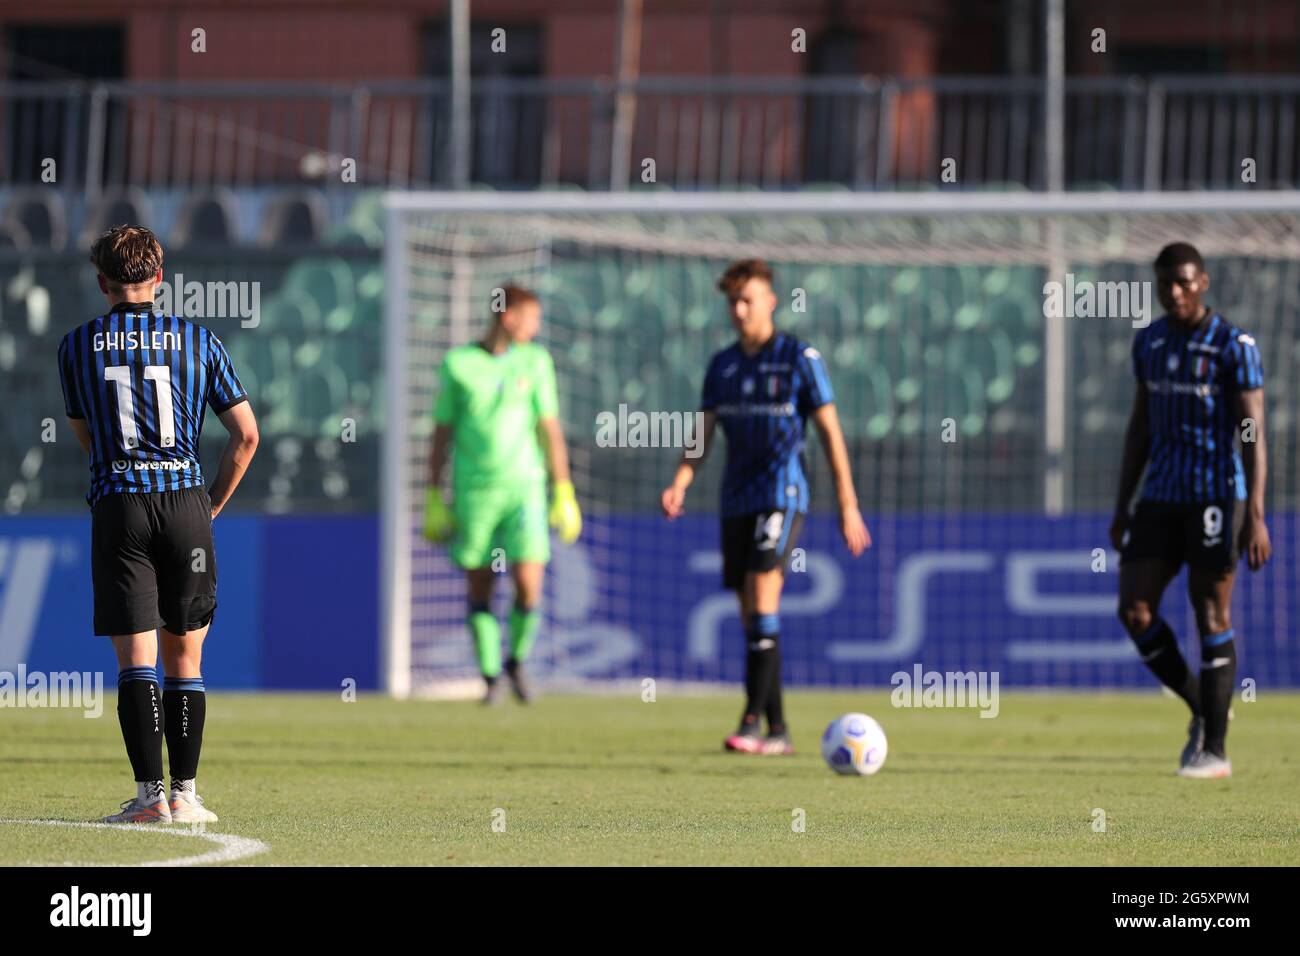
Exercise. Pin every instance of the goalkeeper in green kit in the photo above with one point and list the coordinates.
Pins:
(497, 416)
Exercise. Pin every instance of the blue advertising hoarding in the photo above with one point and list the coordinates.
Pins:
(1025, 595)
(297, 601)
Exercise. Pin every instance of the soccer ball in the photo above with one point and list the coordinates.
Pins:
(854, 743)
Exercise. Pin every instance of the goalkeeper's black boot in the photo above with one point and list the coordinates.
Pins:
(515, 671)
(493, 693)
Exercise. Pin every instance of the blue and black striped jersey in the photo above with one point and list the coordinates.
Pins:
(141, 381)
(1192, 378)
(762, 402)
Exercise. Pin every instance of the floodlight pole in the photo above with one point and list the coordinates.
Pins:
(627, 68)
(1054, 95)
(460, 102)
(1055, 341)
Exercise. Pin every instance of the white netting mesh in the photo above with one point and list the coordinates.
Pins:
(922, 318)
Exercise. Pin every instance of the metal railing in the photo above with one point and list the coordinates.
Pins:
(1164, 132)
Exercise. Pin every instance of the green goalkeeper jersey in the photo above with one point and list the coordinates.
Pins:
(494, 403)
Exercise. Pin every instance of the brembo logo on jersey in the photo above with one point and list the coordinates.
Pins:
(121, 467)
(758, 409)
(211, 300)
(1099, 300)
(638, 429)
(1164, 386)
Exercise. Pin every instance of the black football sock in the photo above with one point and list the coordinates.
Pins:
(758, 675)
(185, 703)
(769, 627)
(1159, 649)
(140, 712)
(1218, 675)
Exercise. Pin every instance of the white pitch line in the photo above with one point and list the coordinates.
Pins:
(231, 847)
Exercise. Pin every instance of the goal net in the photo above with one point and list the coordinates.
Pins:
(978, 347)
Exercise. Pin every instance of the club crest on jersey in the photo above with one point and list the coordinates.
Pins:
(1172, 363)
(1200, 367)
(747, 387)
(773, 386)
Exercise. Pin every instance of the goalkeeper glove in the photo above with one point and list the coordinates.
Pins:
(565, 516)
(439, 524)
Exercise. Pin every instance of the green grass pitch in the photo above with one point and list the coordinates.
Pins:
(614, 780)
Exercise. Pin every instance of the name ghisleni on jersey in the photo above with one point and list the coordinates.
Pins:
(142, 382)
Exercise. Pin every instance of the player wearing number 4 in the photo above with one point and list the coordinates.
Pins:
(1200, 385)
(762, 390)
(135, 387)
(497, 416)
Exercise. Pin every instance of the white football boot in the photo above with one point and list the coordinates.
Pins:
(136, 810)
(187, 807)
(1206, 766)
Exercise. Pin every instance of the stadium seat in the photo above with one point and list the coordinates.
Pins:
(293, 315)
(207, 219)
(13, 236)
(364, 225)
(128, 204)
(369, 280)
(298, 218)
(327, 280)
(42, 213)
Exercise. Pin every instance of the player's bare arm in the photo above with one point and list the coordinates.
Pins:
(551, 434)
(1254, 542)
(240, 448)
(856, 537)
(82, 432)
(1137, 446)
(440, 452)
(673, 497)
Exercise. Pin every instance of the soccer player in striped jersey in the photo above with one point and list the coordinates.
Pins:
(1200, 385)
(497, 416)
(762, 390)
(135, 387)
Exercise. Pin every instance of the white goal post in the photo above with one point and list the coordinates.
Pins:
(441, 247)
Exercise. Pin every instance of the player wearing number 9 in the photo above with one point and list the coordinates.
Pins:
(1200, 389)
(136, 385)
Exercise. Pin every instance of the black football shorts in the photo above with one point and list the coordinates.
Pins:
(153, 562)
(1203, 536)
(757, 542)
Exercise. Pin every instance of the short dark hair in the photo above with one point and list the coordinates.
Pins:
(1178, 254)
(740, 272)
(127, 255)
(512, 295)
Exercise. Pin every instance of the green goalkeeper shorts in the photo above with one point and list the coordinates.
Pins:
(512, 519)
